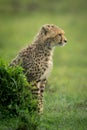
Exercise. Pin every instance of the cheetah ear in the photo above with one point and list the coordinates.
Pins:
(44, 30)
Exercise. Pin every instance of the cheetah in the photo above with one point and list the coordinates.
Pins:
(36, 58)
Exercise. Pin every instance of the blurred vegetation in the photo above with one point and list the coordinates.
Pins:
(65, 99)
(16, 98)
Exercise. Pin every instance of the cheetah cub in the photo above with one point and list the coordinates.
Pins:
(36, 59)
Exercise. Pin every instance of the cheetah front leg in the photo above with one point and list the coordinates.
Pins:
(42, 87)
(38, 91)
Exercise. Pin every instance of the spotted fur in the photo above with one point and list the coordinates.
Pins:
(36, 59)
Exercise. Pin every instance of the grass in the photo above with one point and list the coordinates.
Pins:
(65, 98)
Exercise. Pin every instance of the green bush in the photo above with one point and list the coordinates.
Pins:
(16, 99)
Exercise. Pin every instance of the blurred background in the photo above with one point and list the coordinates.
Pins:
(20, 21)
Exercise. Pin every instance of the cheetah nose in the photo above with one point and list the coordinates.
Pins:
(65, 41)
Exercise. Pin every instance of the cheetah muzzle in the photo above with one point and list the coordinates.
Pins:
(36, 59)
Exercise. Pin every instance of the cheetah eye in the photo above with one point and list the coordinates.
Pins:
(48, 26)
(59, 34)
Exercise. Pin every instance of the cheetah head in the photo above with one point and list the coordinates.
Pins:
(53, 35)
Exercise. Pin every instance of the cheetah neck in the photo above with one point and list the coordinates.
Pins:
(46, 43)
(43, 50)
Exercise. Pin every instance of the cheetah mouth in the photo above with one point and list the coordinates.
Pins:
(61, 44)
